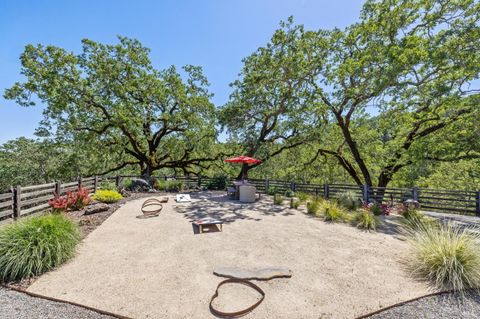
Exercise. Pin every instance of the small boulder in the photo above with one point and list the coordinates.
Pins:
(96, 208)
(140, 185)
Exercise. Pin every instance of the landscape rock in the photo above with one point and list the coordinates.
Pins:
(140, 185)
(96, 208)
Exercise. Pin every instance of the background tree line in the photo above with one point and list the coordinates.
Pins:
(390, 100)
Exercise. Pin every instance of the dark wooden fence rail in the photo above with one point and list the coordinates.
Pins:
(25, 200)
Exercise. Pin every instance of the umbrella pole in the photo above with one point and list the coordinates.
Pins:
(244, 171)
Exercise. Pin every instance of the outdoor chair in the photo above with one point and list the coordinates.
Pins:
(231, 192)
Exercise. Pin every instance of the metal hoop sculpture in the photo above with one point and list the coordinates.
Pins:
(240, 313)
(151, 208)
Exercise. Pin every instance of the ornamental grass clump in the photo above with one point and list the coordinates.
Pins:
(107, 196)
(348, 200)
(446, 256)
(366, 220)
(333, 212)
(303, 197)
(35, 245)
(277, 199)
(294, 203)
(313, 207)
(413, 221)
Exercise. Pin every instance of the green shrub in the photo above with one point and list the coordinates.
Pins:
(277, 199)
(366, 220)
(446, 256)
(272, 190)
(303, 197)
(376, 209)
(289, 193)
(108, 185)
(218, 182)
(107, 196)
(127, 183)
(169, 186)
(313, 207)
(333, 212)
(35, 245)
(294, 203)
(349, 200)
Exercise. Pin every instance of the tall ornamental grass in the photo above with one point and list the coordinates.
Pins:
(445, 255)
(366, 220)
(334, 212)
(349, 200)
(35, 245)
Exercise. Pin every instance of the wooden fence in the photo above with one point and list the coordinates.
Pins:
(451, 201)
(26, 200)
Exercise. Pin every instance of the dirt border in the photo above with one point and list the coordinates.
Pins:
(402, 303)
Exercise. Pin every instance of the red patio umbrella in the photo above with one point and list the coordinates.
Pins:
(245, 160)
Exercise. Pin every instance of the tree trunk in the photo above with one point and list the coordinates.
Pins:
(383, 181)
(146, 173)
(244, 172)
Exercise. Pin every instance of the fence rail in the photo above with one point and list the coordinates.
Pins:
(21, 201)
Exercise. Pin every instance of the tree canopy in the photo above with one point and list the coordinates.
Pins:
(392, 98)
(112, 96)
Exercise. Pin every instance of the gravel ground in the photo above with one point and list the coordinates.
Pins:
(86, 223)
(446, 306)
(17, 305)
(162, 267)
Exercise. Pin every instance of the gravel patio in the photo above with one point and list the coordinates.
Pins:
(162, 268)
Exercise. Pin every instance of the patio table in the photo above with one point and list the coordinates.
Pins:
(237, 185)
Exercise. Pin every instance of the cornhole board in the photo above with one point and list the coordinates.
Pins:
(200, 223)
(183, 198)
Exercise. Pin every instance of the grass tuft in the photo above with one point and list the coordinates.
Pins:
(294, 203)
(349, 200)
(35, 245)
(277, 199)
(366, 220)
(313, 208)
(446, 256)
(333, 212)
(303, 197)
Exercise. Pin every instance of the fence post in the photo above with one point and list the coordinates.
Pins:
(117, 181)
(80, 182)
(58, 187)
(199, 181)
(365, 193)
(267, 186)
(477, 200)
(95, 183)
(293, 186)
(415, 193)
(17, 198)
(326, 191)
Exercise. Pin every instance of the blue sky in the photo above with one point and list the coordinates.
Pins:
(213, 34)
